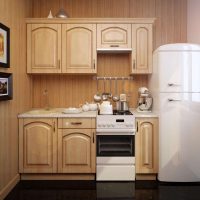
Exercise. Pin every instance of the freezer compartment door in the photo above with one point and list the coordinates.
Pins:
(178, 71)
(179, 137)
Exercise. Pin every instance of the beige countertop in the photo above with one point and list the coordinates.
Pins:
(57, 113)
(143, 114)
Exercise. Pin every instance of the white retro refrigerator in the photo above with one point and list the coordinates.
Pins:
(175, 87)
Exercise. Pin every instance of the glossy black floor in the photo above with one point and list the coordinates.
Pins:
(90, 190)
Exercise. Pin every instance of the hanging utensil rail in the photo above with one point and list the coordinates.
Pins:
(112, 78)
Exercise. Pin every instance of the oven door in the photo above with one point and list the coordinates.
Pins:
(115, 145)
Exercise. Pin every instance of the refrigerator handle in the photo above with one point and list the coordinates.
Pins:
(173, 84)
(170, 100)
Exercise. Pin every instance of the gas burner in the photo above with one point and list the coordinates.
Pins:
(119, 112)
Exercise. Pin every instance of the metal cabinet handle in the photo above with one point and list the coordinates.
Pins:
(137, 127)
(133, 64)
(54, 126)
(94, 63)
(170, 100)
(114, 45)
(76, 123)
(93, 136)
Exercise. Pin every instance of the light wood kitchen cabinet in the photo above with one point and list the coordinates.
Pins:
(43, 48)
(70, 46)
(79, 48)
(113, 36)
(142, 49)
(146, 150)
(37, 145)
(76, 145)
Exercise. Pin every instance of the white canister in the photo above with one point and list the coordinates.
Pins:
(85, 107)
(93, 106)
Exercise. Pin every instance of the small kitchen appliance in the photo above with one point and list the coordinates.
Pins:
(145, 100)
(116, 147)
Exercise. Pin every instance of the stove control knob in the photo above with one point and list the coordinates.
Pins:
(100, 125)
(128, 125)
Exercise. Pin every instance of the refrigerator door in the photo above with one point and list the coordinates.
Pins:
(176, 68)
(179, 138)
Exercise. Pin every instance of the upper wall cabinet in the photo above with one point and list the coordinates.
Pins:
(77, 54)
(113, 36)
(142, 49)
(79, 48)
(70, 46)
(43, 48)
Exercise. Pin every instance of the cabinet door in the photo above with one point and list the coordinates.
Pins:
(142, 49)
(43, 48)
(79, 48)
(37, 146)
(147, 146)
(113, 36)
(76, 151)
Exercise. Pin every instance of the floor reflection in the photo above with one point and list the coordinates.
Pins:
(91, 190)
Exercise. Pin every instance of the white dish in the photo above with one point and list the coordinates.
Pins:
(72, 110)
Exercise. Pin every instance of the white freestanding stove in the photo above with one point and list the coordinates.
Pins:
(116, 147)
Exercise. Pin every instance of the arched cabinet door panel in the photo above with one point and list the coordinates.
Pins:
(113, 36)
(76, 150)
(142, 45)
(38, 144)
(146, 145)
(79, 48)
(43, 48)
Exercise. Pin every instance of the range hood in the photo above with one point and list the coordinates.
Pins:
(114, 50)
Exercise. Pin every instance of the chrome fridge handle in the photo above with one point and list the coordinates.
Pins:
(170, 100)
(173, 84)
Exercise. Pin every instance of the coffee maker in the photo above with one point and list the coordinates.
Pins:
(145, 101)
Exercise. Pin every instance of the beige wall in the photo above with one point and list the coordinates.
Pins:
(170, 27)
(193, 27)
(12, 14)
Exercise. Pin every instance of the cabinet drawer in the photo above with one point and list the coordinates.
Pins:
(76, 123)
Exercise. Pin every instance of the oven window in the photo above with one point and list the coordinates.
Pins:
(115, 145)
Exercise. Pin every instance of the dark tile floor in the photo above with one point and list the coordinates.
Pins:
(90, 190)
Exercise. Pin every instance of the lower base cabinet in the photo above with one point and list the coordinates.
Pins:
(146, 148)
(45, 148)
(38, 145)
(76, 151)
